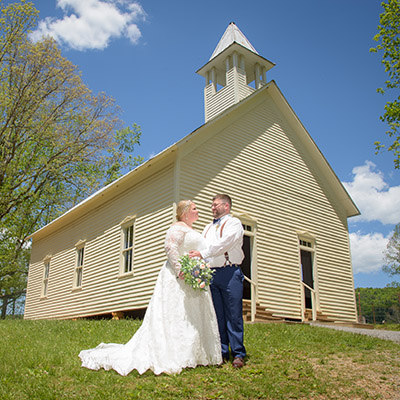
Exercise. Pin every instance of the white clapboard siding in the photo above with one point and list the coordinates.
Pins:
(215, 102)
(244, 89)
(258, 153)
(104, 290)
(218, 101)
(260, 162)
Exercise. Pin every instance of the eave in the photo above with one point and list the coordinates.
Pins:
(193, 139)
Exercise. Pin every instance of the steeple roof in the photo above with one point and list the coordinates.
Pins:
(233, 40)
(232, 35)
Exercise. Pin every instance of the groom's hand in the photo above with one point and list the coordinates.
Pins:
(194, 253)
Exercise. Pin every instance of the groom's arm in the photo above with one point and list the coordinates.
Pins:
(196, 253)
(233, 234)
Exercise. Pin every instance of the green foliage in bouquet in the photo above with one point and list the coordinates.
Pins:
(197, 272)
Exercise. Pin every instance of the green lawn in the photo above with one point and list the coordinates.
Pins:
(39, 360)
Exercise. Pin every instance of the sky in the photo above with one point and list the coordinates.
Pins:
(145, 55)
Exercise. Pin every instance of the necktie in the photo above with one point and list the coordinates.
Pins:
(216, 220)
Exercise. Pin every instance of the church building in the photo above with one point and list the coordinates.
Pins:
(102, 257)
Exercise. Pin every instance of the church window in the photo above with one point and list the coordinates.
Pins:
(127, 253)
(46, 274)
(80, 255)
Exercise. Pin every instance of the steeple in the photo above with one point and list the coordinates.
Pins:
(234, 71)
(232, 34)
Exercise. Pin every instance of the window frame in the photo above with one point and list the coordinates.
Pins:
(127, 248)
(306, 241)
(45, 277)
(80, 252)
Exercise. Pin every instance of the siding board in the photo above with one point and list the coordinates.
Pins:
(103, 289)
(283, 190)
(256, 157)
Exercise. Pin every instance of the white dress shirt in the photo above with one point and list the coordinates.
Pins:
(231, 241)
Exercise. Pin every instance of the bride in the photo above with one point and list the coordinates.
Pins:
(180, 328)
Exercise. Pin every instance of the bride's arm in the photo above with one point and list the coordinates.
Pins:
(173, 240)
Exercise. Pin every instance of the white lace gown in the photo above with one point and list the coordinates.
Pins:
(179, 329)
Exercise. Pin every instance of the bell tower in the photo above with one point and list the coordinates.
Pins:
(234, 71)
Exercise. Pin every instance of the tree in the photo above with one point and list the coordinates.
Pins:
(379, 304)
(392, 253)
(58, 141)
(388, 37)
(14, 260)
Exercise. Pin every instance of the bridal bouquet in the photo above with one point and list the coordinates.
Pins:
(197, 272)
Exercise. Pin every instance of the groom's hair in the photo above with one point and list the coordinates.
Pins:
(224, 197)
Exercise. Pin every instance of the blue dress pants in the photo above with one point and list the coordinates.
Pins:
(227, 294)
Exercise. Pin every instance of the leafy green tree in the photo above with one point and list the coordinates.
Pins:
(388, 37)
(14, 261)
(393, 313)
(379, 304)
(59, 142)
(392, 253)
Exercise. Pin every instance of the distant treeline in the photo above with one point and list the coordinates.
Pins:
(379, 305)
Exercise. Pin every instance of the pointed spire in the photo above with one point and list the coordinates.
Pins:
(230, 72)
(232, 35)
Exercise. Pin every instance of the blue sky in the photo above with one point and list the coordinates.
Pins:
(145, 55)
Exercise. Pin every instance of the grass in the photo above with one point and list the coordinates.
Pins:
(388, 327)
(39, 360)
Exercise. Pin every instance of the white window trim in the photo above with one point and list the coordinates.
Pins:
(252, 222)
(310, 238)
(79, 264)
(128, 222)
(248, 220)
(306, 236)
(45, 277)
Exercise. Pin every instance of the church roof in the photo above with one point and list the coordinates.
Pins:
(232, 35)
(233, 40)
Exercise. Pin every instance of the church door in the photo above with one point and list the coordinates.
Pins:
(307, 275)
(246, 266)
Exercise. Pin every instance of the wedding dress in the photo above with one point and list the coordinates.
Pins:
(179, 329)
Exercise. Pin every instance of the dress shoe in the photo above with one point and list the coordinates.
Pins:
(238, 362)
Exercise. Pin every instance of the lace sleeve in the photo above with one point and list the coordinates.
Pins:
(173, 240)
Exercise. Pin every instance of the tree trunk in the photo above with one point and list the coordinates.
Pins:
(4, 307)
(14, 300)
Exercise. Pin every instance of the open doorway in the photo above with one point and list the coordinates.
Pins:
(246, 266)
(307, 275)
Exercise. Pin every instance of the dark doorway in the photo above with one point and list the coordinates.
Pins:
(307, 275)
(246, 266)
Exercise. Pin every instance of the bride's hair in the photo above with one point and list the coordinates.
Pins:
(182, 208)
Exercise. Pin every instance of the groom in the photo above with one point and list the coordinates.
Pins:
(224, 238)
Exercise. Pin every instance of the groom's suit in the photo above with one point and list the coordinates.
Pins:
(224, 252)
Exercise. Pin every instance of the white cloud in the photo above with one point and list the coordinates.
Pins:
(91, 24)
(377, 201)
(373, 196)
(367, 251)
